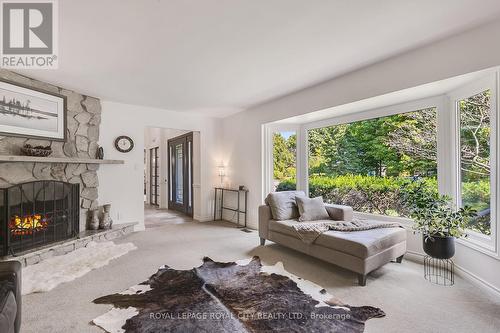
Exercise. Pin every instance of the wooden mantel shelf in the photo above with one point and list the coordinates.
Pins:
(17, 158)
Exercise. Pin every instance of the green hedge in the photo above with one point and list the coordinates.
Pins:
(378, 195)
(384, 195)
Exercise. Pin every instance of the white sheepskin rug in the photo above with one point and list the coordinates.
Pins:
(51, 272)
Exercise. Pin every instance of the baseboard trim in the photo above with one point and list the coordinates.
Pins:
(468, 275)
(464, 273)
(203, 218)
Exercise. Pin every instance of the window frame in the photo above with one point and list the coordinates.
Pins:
(267, 136)
(484, 243)
(437, 101)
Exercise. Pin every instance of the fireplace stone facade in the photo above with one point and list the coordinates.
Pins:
(83, 121)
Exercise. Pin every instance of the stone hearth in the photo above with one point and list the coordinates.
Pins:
(32, 258)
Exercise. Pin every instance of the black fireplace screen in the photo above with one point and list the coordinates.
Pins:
(38, 213)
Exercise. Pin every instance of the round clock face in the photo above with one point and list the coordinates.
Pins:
(124, 144)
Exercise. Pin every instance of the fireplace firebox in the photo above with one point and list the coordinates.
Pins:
(38, 213)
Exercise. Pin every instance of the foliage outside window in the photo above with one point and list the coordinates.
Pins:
(284, 158)
(364, 164)
(475, 131)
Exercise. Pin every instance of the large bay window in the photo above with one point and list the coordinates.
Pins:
(362, 159)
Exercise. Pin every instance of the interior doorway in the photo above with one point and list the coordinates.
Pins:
(172, 171)
(180, 173)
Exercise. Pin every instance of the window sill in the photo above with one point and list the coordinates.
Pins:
(403, 220)
(480, 246)
(474, 242)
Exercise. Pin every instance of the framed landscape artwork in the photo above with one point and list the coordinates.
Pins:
(31, 113)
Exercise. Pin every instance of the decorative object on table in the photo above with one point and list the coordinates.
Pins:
(100, 153)
(124, 144)
(106, 221)
(219, 201)
(94, 219)
(222, 173)
(38, 151)
(239, 292)
(242, 188)
(440, 222)
(31, 113)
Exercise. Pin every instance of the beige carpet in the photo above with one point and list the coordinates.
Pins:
(411, 303)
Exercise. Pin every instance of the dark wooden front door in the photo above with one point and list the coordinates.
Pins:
(180, 174)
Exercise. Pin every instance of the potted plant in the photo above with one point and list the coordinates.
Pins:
(437, 219)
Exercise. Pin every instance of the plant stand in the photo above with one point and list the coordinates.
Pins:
(439, 271)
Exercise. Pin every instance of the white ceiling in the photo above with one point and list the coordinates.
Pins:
(428, 90)
(221, 56)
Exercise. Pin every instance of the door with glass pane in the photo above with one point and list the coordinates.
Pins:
(180, 173)
(154, 189)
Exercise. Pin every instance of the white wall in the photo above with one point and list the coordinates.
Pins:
(122, 185)
(468, 52)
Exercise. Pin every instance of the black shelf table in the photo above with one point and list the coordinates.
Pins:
(219, 192)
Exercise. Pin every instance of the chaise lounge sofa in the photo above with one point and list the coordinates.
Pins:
(358, 251)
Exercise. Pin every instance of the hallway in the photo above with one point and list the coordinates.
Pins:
(156, 217)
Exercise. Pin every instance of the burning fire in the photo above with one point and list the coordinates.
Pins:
(27, 225)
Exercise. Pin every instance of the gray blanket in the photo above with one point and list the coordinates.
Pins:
(310, 231)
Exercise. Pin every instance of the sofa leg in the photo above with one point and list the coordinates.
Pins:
(362, 280)
(399, 259)
(262, 241)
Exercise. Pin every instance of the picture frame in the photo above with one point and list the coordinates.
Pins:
(31, 112)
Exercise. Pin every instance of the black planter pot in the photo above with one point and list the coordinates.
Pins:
(439, 247)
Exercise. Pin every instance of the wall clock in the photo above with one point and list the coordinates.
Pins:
(124, 144)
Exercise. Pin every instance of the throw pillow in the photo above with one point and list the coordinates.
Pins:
(283, 205)
(311, 209)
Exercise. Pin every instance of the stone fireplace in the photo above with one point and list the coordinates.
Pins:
(45, 201)
(36, 214)
(83, 120)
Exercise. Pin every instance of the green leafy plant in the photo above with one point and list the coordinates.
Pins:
(434, 214)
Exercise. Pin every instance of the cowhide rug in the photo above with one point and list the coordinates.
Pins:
(230, 297)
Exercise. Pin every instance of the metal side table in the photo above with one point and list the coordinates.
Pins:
(220, 192)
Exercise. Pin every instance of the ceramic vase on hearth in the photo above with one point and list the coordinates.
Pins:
(94, 219)
(106, 221)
